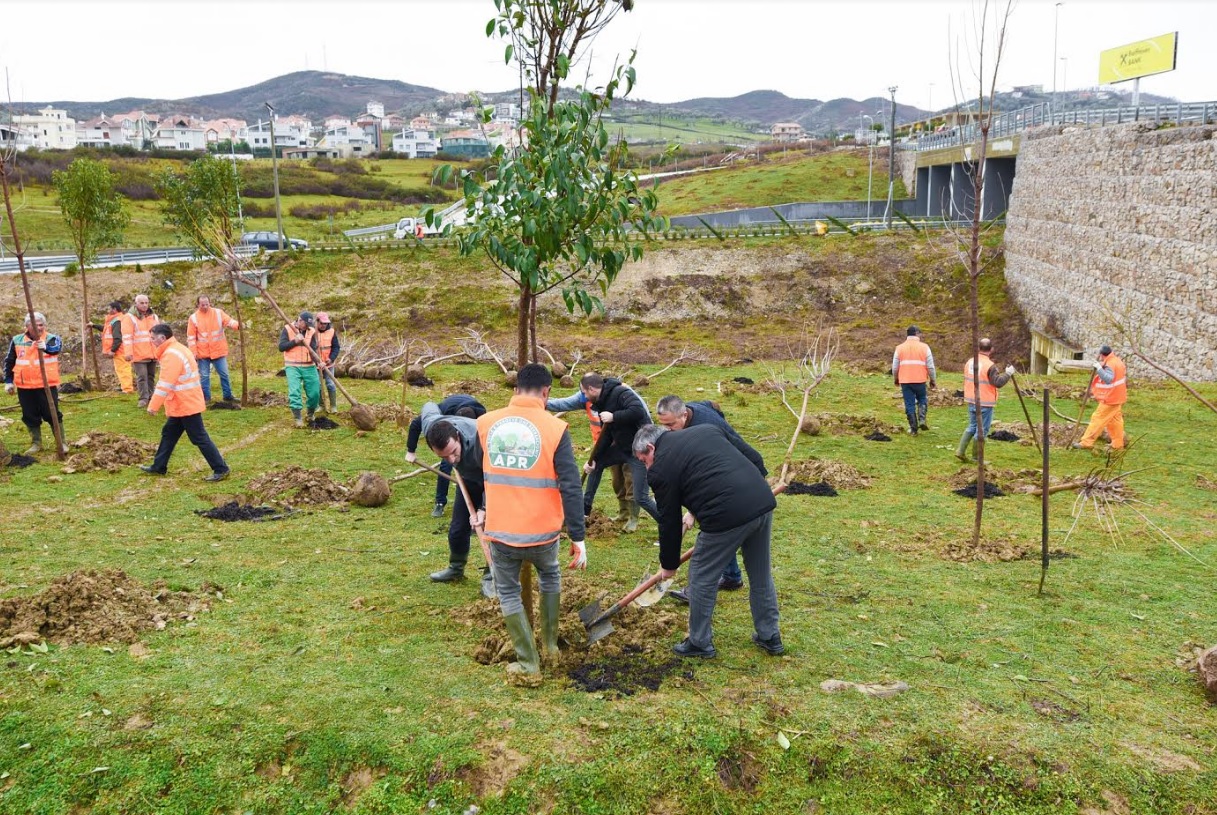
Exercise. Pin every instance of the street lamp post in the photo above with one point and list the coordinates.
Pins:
(870, 165)
(1065, 75)
(891, 160)
(274, 170)
(1056, 20)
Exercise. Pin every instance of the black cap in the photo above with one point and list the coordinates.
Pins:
(307, 316)
(1105, 351)
(913, 331)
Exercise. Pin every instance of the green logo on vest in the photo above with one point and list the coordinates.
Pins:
(513, 443)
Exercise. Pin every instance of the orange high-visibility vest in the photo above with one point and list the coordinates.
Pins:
(127, 326)
(205, 333)
(298, 355)
(27, 373)
(1117, 392)
(523, 503)
(912, 355)
(988, 393)
(141, 337)
(107, 334)
(593, 419)
(325, 341)
(178, 387)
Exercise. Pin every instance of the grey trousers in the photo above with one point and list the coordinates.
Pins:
(506, 562)
(712, 552)
(145, 378)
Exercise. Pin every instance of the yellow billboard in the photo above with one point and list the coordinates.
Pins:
(1152, 56)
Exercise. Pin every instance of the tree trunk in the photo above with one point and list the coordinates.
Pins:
(532, 328)
(978, 185)
(87, 335)
(236, 307)
(522, 326)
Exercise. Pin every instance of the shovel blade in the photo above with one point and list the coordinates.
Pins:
(589, 613)
(654, 594)
(599, 631)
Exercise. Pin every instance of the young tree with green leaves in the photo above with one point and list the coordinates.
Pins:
(96, 216)
(202, 203)
(557, 213)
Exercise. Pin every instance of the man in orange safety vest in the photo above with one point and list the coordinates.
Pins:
(1110, 389)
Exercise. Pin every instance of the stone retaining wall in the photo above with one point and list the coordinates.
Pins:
(1119, 221)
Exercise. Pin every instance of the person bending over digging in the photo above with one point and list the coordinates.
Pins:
(180, 391)
(532, 489)
(458, 404)
(621, 413)
(455, 440)
(704, 470)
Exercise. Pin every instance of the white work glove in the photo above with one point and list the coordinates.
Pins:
(1009, 370)
(589, 467)
(10, 388)
(1098, 366)
(578, 550)
(686, 523)
(411, 457)
(606, 417)
(478, 520)
(42, 344)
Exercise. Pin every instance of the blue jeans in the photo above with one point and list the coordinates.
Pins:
(642, 492)
(221, 366)
(506, 562)
(986, 419)
(915, 401)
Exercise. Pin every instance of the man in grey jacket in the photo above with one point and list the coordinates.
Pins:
(455, 440)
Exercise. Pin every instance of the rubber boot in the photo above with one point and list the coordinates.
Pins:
(296, 416)
(551, 612)
(35, 441)
(912, 420)
(961, 452)
(921, 411)
(526, 670)
(310, 418)
(623, 511)
(632, 524)
(454, 571)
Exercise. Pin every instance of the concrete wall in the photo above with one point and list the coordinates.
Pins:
(799, 212)
(1122, 219)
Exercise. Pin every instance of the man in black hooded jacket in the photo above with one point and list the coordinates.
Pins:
(622, 412)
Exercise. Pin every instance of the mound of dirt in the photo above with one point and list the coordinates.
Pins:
(296, 486)
(1001, 550)
(370, 490)
(236, 511)
(600, 526)
(877, 436)
(260, 398)
(322, 423)
(1010, 481)
(843, 424)
(21, 460)
(1003, 435)
(91, 606)
(939, 397)
(819, 488)
(385, 413)
(224, 404)
(837, 473)
(991, 490)
(106, 451)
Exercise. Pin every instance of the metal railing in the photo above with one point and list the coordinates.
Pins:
(1039, 115)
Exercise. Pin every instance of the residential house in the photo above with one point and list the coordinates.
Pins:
(288, 133)
(295, 127)
(302, 153)
(48, 129)
(180, 133)
(501, 133)
(422, 122)
(11, 138)
(786, 131)
(137, 127)
(229, 130)
(100, 132)
(467, 143)
(415, 144)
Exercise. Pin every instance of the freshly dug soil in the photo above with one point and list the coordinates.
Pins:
(1000, 550)
(877, 436)
(370, 490)
(91, 606)
(843, 424)
(106, 451)
(296, 486)
(944, 398)
(322, 423)
(223, 404)
(627, 673)
(743, 380)
(261, 398)
(1010, 481)
(235, 511)
(384, 413)
(21, 460)
(1003, 435)
(840, 475)
(991, 490)
(69, 388)
(820, 488)
(363, 417)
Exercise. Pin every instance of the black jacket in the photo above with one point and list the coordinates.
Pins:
(709, 473)
(448, 406)
(629, 414)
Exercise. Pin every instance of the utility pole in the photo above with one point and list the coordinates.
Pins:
(1056, 20)
(870, 167)
(891, 160)
(274, 171)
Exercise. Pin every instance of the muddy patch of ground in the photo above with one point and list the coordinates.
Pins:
(322, 423)
(236, 511)
(297, 486)
(1059, 433)
(500, 767)
(1002, 549)
(941, 397)
(106, 451)
(475, 386)
(821, 488)
(1010, 481)
(641, 637)
(600, 526)
(1003, 435)
(19, 460)
(260, 398)
(837, 473)
(969, 491)
(842, 424)
(91, 606)
(877, 436)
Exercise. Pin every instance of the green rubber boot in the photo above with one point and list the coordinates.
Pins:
(526, 670)
(623, 511)
(35, 441)
(961, 452)
(632, 524)
(551, 612)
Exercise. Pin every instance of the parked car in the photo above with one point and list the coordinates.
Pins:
(270, 240)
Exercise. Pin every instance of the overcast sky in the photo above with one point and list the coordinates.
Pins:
(170, 49)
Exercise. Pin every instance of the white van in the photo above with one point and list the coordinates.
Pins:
(409, 228)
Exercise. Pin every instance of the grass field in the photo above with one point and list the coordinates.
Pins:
(331, 675)
(681, 131)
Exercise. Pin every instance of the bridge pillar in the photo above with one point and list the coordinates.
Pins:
(937, 190)
(963, 201)
(999, 179)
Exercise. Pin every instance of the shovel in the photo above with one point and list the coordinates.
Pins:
(597, 622)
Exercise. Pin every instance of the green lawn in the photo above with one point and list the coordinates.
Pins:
(681, 130)
(333, 676)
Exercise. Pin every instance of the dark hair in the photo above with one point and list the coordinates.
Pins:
(913, 331)
(117, 305)
(591, 381)
(533, 377)
(163, 330)
(199, 299)
(1105, 351)
(467, 412)
(985, 344)
(440, 433)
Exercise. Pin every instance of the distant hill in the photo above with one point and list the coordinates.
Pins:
(317, 94)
